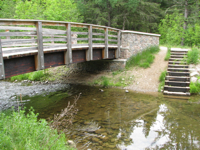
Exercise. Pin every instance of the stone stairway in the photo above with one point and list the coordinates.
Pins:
(177, 81)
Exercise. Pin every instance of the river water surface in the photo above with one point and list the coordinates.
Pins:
(114, 119)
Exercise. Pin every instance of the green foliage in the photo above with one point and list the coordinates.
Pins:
(20, 131)
(105, 81)
(162, 80)
(168, 54)
(116, 72)
(193, 56)
(194, 87)
(143, 59)
(33, 76)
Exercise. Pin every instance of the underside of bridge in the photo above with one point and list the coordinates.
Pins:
(25, 63)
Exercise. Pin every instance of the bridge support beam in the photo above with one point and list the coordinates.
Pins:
(105, 51)
(39, 58)
(2, 71)
(89, 52)
(68, 54)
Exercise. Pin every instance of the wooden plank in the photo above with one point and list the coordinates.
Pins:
(68, 54)
(80, 39)
(17, 23)
(79, 25)
(40, 57)
(2, 71)
(53, 59)
(115, 36)
(16, 28)
(105, 51)
(98, 39)
(80, 33)
(17, 33)
(53, 31)
(89, 52)
(52, 24)
(54, 39)
(14, 41)
(100, 34)
(111, 40)
(117, 54)
(18, 49)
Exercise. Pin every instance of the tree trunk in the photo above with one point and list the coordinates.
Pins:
(109, 13)
(185, 21)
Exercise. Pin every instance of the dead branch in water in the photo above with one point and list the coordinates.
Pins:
(65, 118)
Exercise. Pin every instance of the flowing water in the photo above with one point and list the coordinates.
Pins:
(113, 119)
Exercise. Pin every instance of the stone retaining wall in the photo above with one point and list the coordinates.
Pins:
(133, 42)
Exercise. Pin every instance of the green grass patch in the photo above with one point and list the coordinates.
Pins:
(162, 81)
(20, 132)
(168, 54)
(40, 75)
(194, 87)
(193, 56)
(143, 59)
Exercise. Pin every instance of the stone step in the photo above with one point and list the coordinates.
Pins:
(177, 83)
(177, 66)
(178, 69)
(171, 73)
(176, 89)
(177, 62)
(178, 78)
(177, 93)
(178, 56)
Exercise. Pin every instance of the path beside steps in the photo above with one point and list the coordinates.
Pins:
(177, 81)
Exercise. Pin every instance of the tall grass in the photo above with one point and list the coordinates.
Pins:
(168, 54)
(193, 56)
(19, 131)
(162, 80)
(143, 59)
(194, 87)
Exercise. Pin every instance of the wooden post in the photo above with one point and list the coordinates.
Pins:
(117, 54)
(105, 51)
(68, 54)
(2, 71)
(39, 58)
(89, 52)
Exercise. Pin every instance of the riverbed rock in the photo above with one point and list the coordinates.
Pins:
(193, 79)
(71, 143)
(194, 74)
(100, 131)
(96, 140)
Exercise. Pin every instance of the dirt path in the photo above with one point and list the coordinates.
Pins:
(145, 80)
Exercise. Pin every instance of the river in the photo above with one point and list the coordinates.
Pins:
(113, 119)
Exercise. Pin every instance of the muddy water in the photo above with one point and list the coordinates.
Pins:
(113, 119)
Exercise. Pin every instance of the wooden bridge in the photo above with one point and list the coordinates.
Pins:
(29, 45)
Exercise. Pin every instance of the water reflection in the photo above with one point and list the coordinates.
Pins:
(118, 120)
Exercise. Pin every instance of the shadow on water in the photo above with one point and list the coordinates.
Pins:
(114, 119)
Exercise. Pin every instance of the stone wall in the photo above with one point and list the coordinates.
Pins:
(133, 42)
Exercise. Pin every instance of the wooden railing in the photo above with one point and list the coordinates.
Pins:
(37, 36)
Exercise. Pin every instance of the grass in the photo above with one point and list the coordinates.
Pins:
(162, 80)
(120, 81)
(143, 59)
(193, 56)
(40, 75)
(168, 54)
(19, 131)
(194, 87)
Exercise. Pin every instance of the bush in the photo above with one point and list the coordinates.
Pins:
(194, 87)
(193, 56)
(19, 131)
(143, 59)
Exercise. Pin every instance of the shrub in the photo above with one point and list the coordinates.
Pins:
(20, 131)
(194, 87)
